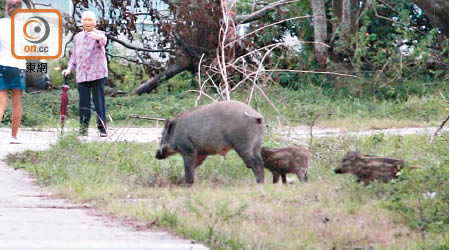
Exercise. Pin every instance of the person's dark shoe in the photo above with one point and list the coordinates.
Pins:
(83, 131)
(103, 134)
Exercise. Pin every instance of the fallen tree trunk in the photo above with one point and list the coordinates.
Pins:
(153, 83)
(192, 54)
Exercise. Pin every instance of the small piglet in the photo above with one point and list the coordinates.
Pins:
(369, 167)
(286, 160)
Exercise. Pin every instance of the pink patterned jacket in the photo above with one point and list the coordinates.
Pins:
(88, 57)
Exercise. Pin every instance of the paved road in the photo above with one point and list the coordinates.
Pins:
(29, 220)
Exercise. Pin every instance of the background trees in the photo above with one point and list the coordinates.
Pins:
(384, 41)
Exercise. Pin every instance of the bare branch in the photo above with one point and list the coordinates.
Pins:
(254, 51)
(268, 99)
(30, 4)
(261, 67)
(388, 6)
(253, 6)
(43, 4)
(199, 81)
(213, 83)
(146, 118)
(124, 58)
(310, 71)
(70, 40)
(227, 32)
(129, 46)
(262, 12)
(271, 45)
(389, 19)
(266, 26)
(438, 129)
(141, 58)
(200, 94)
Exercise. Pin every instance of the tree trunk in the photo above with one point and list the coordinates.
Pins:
(337, 14)
(437, 13)
(320, 32)
(346, 19)
(154, 82)
(354, 12)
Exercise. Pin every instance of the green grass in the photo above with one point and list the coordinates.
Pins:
(326, 107)
(226, 210)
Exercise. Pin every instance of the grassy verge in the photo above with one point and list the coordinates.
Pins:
(226, 210)
(328, 108)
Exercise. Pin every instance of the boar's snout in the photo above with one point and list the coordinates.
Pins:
(160, 154)
(164, 151)
(338, 171)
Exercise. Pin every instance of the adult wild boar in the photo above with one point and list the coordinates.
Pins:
(214, 129)
(286, 160)
(369, 167)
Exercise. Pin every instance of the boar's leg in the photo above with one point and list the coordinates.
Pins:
(283, 178)
(258, 162)
(253, 161)
(366, 181)
(199, 160)
(258, 171)
(301, 174)
(276, 176)
(189, 169)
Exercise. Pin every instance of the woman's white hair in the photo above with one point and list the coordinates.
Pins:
(90, 14)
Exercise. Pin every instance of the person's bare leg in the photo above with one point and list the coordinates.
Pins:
(3, 102)
(16, 101)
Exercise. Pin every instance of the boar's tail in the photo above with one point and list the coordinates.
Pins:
(259, 119)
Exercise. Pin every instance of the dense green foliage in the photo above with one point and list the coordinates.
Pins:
(391, 45)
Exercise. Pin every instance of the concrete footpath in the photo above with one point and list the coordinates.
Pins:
(30, 220)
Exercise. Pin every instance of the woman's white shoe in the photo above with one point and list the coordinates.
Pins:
(14, 140)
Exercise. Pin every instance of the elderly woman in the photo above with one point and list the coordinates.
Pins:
(12, 72)
(89, 59)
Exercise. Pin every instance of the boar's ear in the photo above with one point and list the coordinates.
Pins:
(170, 125)
(166, 123)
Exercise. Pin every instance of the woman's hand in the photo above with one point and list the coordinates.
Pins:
(94, 35)
(65, 72)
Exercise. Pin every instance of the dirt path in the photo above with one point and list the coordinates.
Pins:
(31, 220)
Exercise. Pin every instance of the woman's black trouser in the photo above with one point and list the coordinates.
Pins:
(97, 87)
